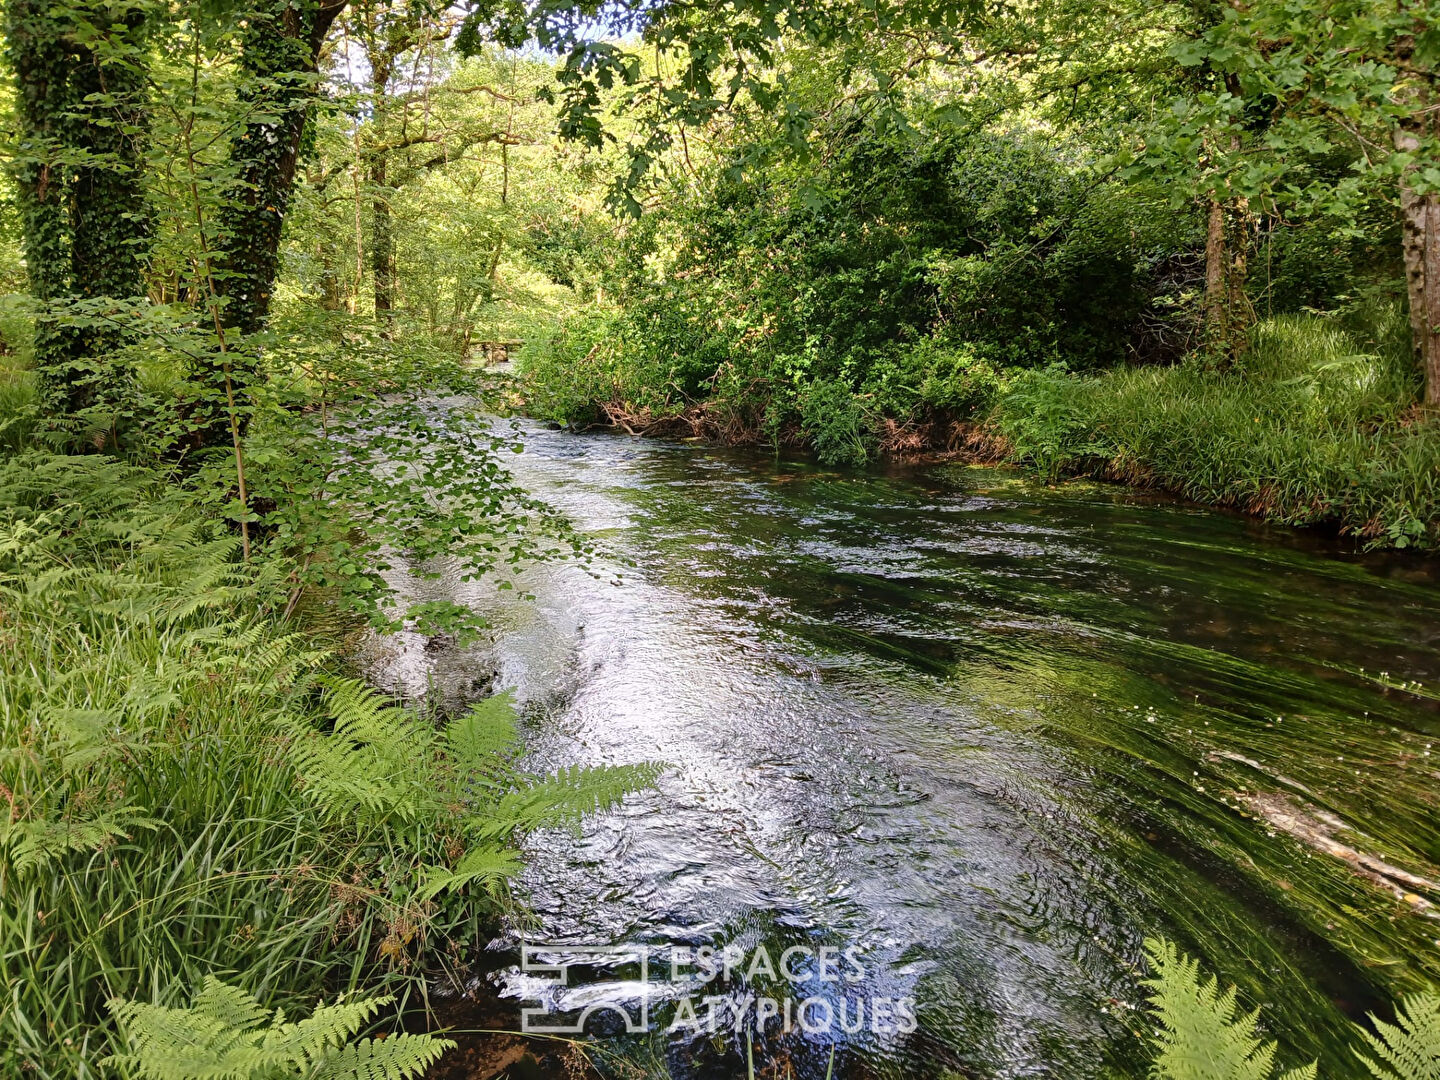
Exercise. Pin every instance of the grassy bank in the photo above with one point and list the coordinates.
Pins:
(1315, 426)
(157, 831)
(194, 787)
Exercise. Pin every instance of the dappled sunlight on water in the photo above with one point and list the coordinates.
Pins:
(990, 733)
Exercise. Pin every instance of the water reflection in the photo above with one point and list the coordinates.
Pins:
(990, 733)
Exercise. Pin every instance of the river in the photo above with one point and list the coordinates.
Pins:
(984, 733)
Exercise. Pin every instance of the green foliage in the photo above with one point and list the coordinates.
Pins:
(223, 1035)
(1204, 1034)
(194, 789)
(1315, 429)
(833, 419)
(1408, 1049)
(383, 764)
(279, 48)
(908, 270)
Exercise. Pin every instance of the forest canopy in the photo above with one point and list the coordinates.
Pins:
(861, 228)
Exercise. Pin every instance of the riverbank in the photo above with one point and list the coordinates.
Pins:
(164, 825)
(1315, 426)
(201, 792)
(1316, 429)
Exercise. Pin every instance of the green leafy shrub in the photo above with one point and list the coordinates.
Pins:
(833, 418)
(911, 268)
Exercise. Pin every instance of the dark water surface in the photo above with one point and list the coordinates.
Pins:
(990, 733)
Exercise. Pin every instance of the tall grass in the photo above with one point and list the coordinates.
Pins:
(1317, 426)
(155, 826)
(154, 834)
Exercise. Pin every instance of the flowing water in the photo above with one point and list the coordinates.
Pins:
(988, 734)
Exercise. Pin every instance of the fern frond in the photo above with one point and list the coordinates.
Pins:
(221, 1037)
(485, 733)
(364, 715)
(90, 736)
(1204, 1034)
(187, 1044)
(229, 1005)
(376, 761)
(564, 798)
(487, 865)
(33, 843)
(325, 1030)
(1408, 1049)
(396, 1058)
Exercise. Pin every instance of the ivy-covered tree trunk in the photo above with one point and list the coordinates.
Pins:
(1227, 312)
(382, 240)
(279, 54)
(80, 81)
(37, 54)
(110, 211)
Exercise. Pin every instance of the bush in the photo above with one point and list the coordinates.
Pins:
(833, 419)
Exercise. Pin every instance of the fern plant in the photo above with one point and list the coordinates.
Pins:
(383, 764)
(177, 801)
(1204, 1034)
(228, 1035)
(1408, 1049)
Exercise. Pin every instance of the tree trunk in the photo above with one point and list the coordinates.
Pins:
(110, 213)
(37, 54)
(384, 42)
(329, 276)
(1420, 247)
(1217, 298)
(1227, 312)
(382, 241)
(1238, 315)
(279, 54)
(1420, 240)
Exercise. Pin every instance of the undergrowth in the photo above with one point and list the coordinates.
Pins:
(192, 788)
(1316, 427)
